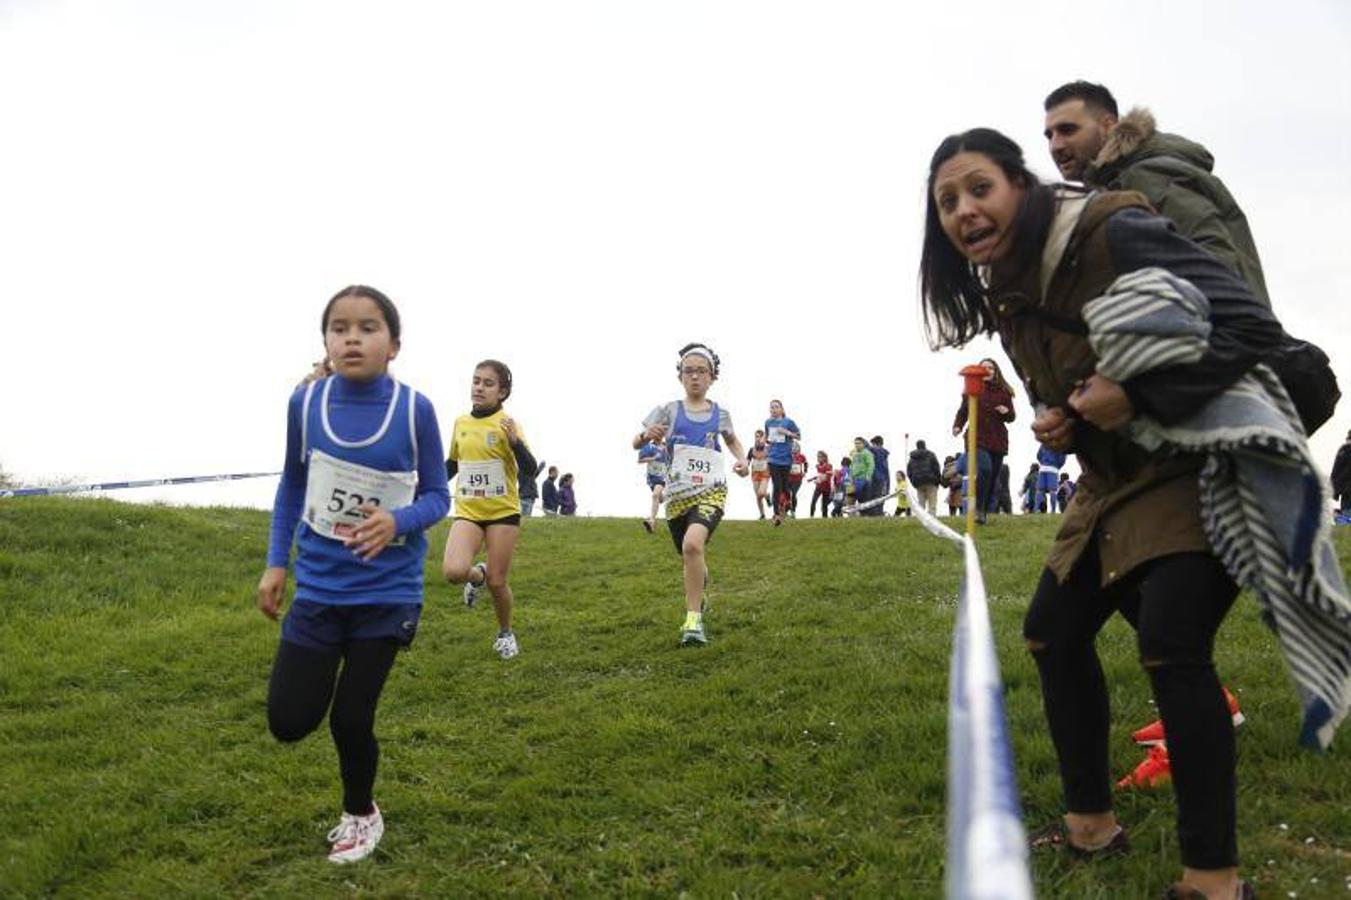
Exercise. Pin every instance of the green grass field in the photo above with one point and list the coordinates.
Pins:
(800, 754)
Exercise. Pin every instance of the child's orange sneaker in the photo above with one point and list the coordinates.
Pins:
(1154, 772)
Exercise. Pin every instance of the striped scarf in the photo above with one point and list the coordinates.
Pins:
(1263, 500)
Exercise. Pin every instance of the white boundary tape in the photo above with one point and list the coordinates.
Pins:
(986, 844)
(119, 485)
(854, 509)
(928, 520)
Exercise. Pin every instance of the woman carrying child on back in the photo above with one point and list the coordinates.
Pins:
(362, 482)
(487, 449)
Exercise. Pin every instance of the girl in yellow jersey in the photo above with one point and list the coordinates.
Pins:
(487, 450)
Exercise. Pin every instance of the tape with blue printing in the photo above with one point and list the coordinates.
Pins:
(119, 485)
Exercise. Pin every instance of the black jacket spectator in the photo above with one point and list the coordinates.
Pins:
(549, 494)
(923, 469)
(1341, 474)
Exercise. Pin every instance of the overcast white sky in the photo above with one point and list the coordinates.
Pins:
(578, 189)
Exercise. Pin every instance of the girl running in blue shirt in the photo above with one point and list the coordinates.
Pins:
(781, 432)
(363, 480)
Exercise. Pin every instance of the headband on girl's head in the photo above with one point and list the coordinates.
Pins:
(699, 350)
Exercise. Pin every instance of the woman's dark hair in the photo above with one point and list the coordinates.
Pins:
(844, 461)
(566, 479)
(503, 374)
(953, 297)
(386, 305)
(999, 376)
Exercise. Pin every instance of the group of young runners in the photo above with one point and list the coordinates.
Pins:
(364, 478)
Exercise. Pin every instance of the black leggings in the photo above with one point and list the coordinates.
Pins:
(1176, 604)
(778, 477)
(824, 497)
(299, 694)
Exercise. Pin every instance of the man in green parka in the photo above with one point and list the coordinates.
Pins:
(1091, 144)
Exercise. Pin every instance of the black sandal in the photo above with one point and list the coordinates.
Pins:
(1055, 837)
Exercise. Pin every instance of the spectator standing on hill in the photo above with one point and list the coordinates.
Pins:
(1049, 464)
(994, 411)
(926, 475)
(526, 488)
(983, 476)
(861, 469)
(823, 478)
(953, 483)
(549, 492)
(1341, 476)
(1064, 492)
(881, 483)
(567, 496)
(780, 432)
(1030, 491)
(795, 476)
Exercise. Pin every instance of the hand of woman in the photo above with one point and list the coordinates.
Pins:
(270, 590)
(1054, 429)
(740, 467)
(956, 430)
(1002, 409)
(1103, 402)
(509, 426)
(373, 534)
(655, 432)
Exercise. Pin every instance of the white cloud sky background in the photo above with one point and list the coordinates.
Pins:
(578, 189)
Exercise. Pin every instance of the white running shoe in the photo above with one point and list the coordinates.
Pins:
(692, 632)
(356, 836)
(505, 646)
(470, 589)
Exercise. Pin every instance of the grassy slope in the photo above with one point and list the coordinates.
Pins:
(801, 753)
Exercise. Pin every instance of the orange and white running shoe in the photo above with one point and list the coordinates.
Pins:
(1155, 771)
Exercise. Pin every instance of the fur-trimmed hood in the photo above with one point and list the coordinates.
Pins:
(1136, 137)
